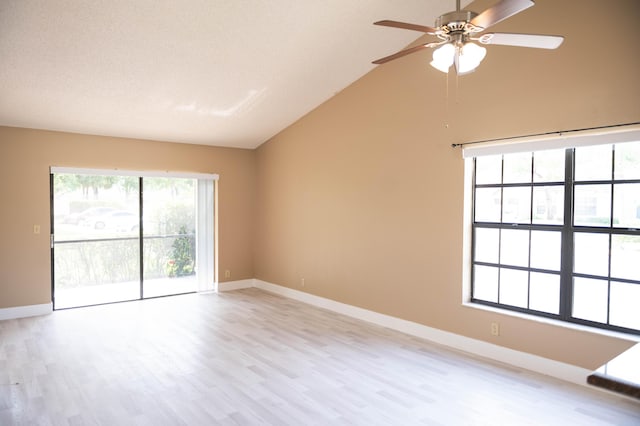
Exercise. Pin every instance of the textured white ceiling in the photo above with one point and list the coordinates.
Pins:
(216, 72)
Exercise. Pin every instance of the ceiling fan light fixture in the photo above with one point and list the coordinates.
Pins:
(455, 31)
(443, 57)
(469, 57)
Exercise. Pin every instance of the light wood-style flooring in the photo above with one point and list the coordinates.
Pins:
(249, 357)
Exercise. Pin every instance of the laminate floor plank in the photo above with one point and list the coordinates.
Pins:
(249, 357)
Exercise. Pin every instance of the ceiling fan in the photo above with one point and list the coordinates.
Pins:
(458, 30)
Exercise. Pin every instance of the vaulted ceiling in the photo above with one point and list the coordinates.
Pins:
(216, 72)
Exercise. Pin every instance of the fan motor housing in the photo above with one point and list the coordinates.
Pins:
(455, 21)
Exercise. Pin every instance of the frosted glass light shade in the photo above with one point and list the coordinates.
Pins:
(466, 58)
(469, 57)
(443, 57)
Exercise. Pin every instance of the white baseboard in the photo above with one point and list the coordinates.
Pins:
(538, 364)
(26, 311)
(235, 285)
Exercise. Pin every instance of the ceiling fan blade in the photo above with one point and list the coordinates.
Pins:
(401, 53)
(500, 11)
(406, 26)
(522, 40)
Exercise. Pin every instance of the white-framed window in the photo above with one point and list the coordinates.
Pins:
(556, 230)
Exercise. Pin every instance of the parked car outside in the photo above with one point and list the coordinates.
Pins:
(84, 216)
(118, 220)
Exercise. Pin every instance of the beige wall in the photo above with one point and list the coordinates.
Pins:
(26, 155)
(363, 197)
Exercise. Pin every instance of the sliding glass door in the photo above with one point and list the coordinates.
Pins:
(169, 236)
(124, 237)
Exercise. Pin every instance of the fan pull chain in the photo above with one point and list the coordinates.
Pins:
(446, 125)
(457, 88)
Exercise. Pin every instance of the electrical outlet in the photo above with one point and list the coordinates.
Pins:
(495, 329)
(227, 273)
(302, 282)
(36, 229)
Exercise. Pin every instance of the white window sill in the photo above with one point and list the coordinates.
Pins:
(554, 322)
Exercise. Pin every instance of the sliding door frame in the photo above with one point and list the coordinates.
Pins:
(205, 227)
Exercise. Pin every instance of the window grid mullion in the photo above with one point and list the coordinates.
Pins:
(500, 231)
(566, 267)
(613, 171)
(530, 231)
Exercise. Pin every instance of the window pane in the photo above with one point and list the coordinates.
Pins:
(625, 300)
(590, 299)
(91, 272)
(103, 264)
(517, 168)
(626, 205)
(487, 207)
(593, 162)
(487, 245)
(517, 205)
(489, 169)
(169, 241)
(485, 284)
(592, 206)
(627, 164)
(544, 292)
(514, 247)
(548, 166)
(625, 257)
(548, 205)
(513, 287)
(591, 254)
(546, 249)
